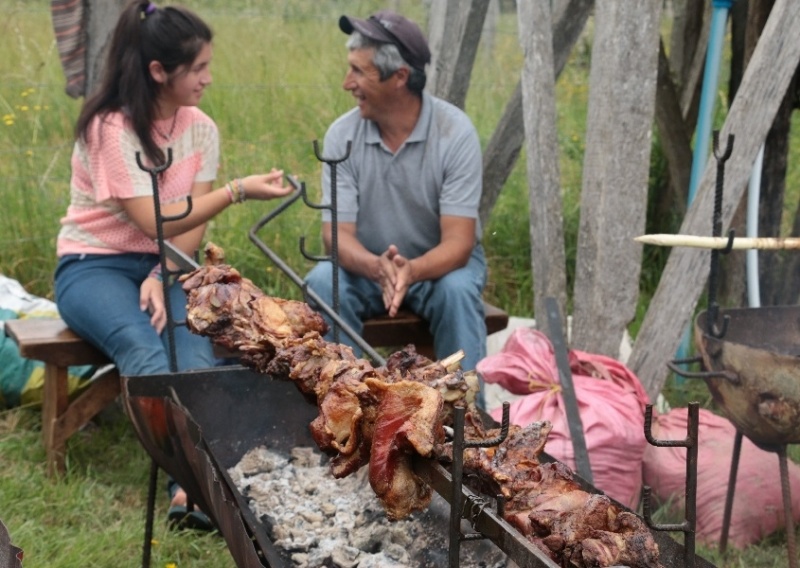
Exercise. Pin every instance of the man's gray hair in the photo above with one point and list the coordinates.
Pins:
(387, 60)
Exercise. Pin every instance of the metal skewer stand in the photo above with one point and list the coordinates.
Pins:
(690, 501)
(166, 275)
(308, 294)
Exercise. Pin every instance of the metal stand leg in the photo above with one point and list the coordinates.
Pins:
(791, 545)
(726, 519)
(151, 507)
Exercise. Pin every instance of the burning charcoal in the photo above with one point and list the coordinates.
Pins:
(345, 557)
(305, 457)
(298, 540)
(351, 517)
(269, 523)
(393, 556)
(300, 559)
(369, 538)
(312, 517)
(255, 461)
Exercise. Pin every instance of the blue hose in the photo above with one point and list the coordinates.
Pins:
(708, 97)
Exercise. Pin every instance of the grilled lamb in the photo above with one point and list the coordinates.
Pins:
(382, 417)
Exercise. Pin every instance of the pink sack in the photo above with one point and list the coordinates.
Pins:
(611, 402)
(757, 501)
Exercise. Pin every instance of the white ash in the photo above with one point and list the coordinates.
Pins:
(320, 521)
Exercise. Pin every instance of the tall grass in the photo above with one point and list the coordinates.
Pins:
(278, 67)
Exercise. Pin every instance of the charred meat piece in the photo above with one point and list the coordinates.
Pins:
(346, 423)
(237, 315)
(407, 423)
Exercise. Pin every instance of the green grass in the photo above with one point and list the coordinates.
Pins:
(94, 515)
(278, 67)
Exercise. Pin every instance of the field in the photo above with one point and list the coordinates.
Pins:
(278, 67)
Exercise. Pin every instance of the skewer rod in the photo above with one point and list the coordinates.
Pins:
(739, 243)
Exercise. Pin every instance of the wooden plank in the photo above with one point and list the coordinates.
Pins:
(752, 113)
(51, 341)
(407, 327)
(503, 148)
(616, 168)
(544, 179)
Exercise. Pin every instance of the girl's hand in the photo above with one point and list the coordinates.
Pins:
(151, 299)
(266, 186)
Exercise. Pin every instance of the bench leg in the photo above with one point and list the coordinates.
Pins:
(61, 419)
(100, 393)
(55, 399)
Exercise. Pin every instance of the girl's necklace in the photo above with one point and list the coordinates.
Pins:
(168, 137)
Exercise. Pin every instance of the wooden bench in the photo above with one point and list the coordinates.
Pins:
(407, 327)
(53, 343)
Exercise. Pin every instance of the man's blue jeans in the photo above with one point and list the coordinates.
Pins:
(98, 297)
(452, 304)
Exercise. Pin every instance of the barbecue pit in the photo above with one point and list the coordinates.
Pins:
(212, 418)
(198, 425)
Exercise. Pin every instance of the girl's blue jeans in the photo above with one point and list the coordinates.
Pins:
(98, 297)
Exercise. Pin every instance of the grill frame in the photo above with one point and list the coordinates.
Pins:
(212, 417)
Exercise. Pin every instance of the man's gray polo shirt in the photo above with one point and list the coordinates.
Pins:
(398, 199)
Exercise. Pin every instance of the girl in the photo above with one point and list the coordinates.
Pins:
(108, 279)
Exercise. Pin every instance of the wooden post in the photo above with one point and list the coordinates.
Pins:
(503, 149)
(622, 93)
(461, 23)
(544, 181)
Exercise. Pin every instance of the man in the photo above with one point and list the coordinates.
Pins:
(407, 195)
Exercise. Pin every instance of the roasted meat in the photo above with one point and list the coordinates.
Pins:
(545, 503)
(408, 422)
(383, 417)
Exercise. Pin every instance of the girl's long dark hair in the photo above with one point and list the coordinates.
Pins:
(171, 35)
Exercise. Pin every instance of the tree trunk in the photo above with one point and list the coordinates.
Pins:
(775, 269)
(503, 149)
(687, 29)
(763, 87)
(622, 93)
(544, 180)
(675, 137)
(692, 82)
(676, 75)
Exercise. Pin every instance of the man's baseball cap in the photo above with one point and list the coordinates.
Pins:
(390, 27)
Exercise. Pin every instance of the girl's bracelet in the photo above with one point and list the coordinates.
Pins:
(240, 185)
(156, 273)
(235, 190)
(231, 196)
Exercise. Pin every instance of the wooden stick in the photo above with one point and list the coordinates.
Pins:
(739, 243)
